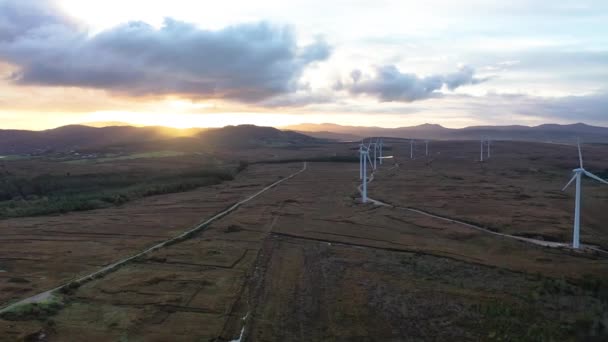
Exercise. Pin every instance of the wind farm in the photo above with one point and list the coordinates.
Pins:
(244, 171)
(297, 218)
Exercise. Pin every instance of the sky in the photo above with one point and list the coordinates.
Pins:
(190, 63)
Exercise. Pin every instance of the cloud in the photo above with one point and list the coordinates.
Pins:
(389, 84)
(355, 75)
(511, 108)
(29, 17)
(588, 108)
(300, 99)
(246, 62)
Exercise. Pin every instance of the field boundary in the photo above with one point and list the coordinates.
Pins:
(114, 266)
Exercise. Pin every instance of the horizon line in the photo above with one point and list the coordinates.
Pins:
(97, 124)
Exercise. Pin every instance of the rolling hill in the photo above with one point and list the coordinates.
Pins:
(86, 138)
(81, 137)
(541, 133)
(252, 136)
(75, 137)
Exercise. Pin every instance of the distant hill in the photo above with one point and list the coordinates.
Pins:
(252, 136)
(81, 137)
(108, 124)
(332, 136)
(75, 137)
(542, 133)
(358, 132)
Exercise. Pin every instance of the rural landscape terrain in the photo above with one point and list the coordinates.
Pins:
(261, 171)
(251, 233)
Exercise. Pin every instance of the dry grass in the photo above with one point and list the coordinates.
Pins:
(307, 261)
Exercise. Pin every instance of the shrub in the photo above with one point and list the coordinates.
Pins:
(38, 311)
(52, 194)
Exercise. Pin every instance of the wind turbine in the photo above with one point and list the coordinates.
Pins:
(412, 149)
(578, 174)
(363, 158)
(369, 158)
(427, 147)
(380, 145)
(488, 142)
(481, 153)
(375, 153)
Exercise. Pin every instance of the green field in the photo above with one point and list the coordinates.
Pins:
(85, 186)
(116, 157)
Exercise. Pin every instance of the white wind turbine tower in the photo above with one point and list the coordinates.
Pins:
(578, 174)
(375, 153)
(363, 158)
(369, 159)
(375, 157)
(427, 148)
(481, 153)
(412, 149)
(488, 142)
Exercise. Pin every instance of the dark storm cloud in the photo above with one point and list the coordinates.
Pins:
(389, 84)
(248, 62)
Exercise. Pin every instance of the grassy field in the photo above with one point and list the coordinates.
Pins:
(49, 194)
(114, 157)
(308, 261)
(517, 191)
(86, 186)
(41, 251)
(14, 157)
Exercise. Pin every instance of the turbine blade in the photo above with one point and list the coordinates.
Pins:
(570, 182)
(591, 175)
(580, 155)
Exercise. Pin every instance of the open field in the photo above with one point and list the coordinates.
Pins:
(41, 252)
(517, 191)
(142, 155)
(40, 187)
(307, 261)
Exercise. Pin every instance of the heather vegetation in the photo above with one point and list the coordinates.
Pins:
(51, 194)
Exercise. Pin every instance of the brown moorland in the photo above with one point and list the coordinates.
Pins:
(307, 261)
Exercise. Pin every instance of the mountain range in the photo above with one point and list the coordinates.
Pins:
(82, 137)
(87, 138)
(541, 133)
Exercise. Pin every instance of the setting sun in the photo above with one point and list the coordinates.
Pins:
(188, 63)
(192, 120)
